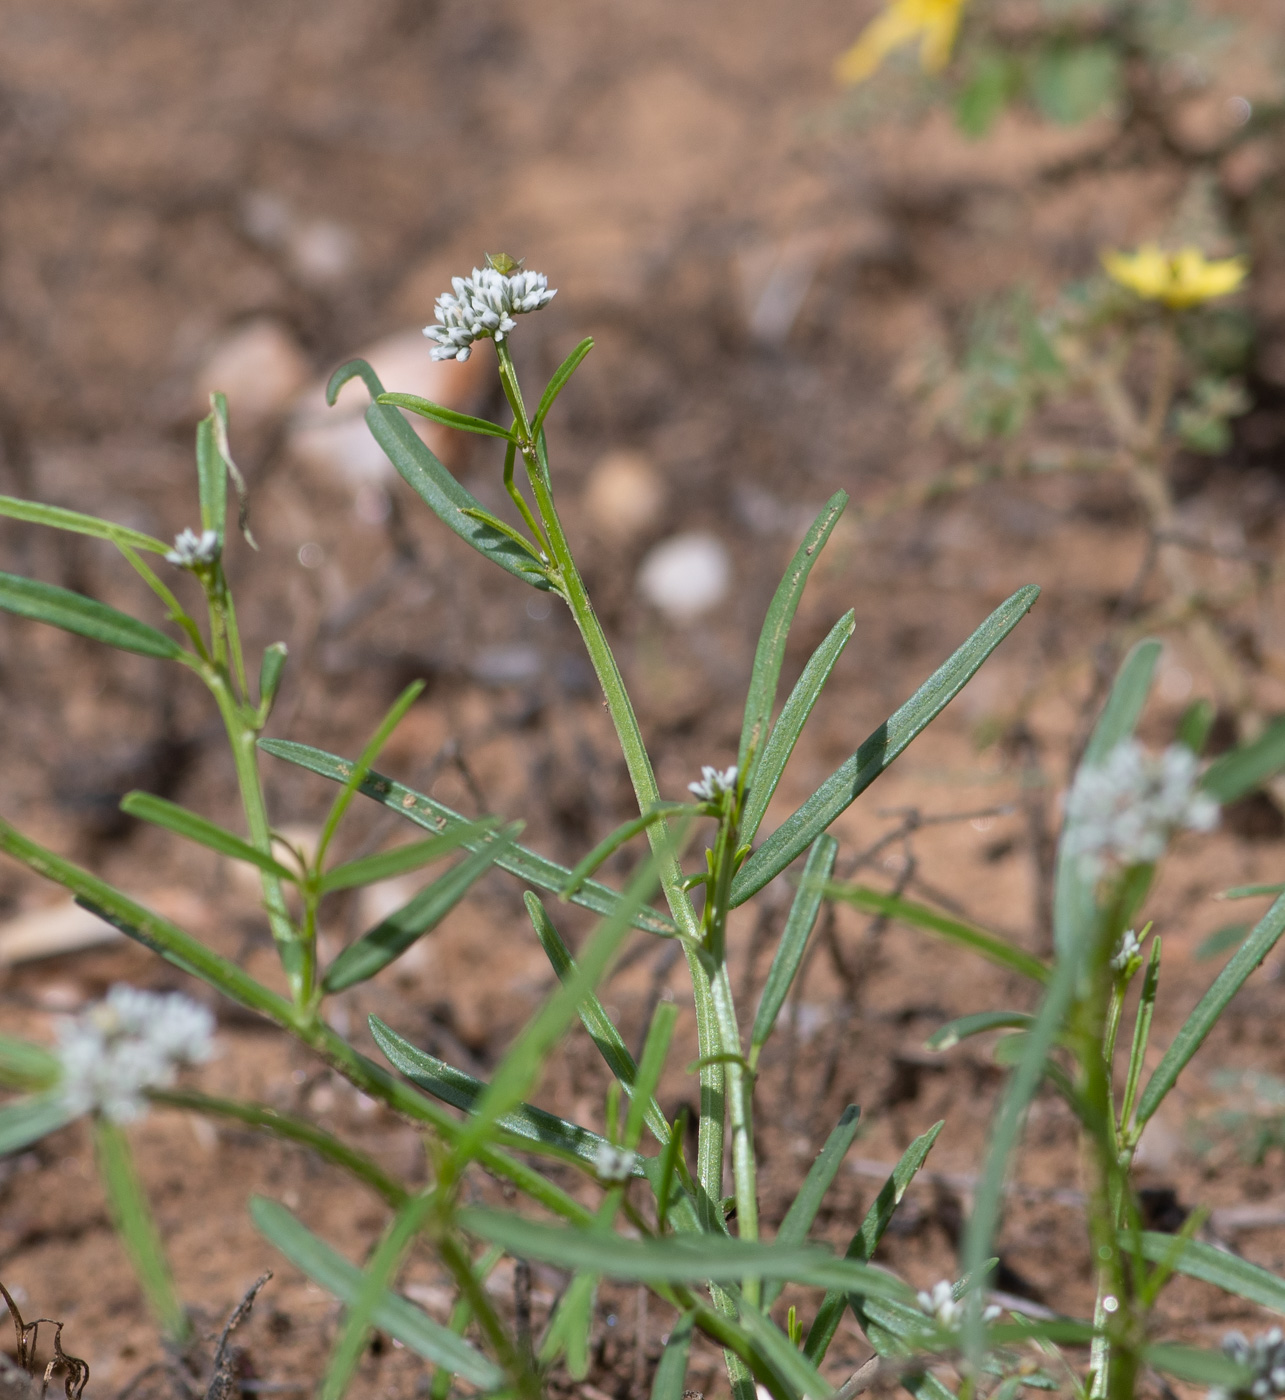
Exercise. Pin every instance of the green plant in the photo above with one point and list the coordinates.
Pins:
(677, 1238)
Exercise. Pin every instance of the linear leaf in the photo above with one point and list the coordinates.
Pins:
(803, 1209)
(593, 1016)
(964, 1026)
(920, 916)
(843, 787)
(137, 1228)
(789, 723)
(866, 1240)
(401, 859)
(669, 1382)
(26, 1066)
(1210, 1007)
(434, 816)
(650, 1068)
(559, 382)
(194, 827)
(390, 938)
(462, 1091)
(1198, 1367)
(212, 479)
(73, 612)
(72, 520)
(677, 1258)
(1252, 891)
(613, 841)
(1233, 775)
(27, 1120)
(794, 939)
(448, 417)
(770, 652)
(1227, 1271)
(393, 1314)
(794, 1368)
(1124, 706)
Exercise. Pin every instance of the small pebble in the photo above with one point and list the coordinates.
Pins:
(686, 575)
(258, 366)
(625, 496)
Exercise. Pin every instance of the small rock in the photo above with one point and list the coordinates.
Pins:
(506, 665)
(258, 366)
(337, 440)
(686, 575)
(47, 933)
(625, 496)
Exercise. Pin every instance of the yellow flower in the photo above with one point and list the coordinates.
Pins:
(933, 22)
(1181, 279)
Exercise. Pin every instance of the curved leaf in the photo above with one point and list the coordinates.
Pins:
(73, 612)
(58, 518)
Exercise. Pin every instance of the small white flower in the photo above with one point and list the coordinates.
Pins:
(191, 550)
(945, 1309)
(1264, 1358)
(1129, 806)
(482, 307)
(714, 783)
(1128, 950)
(127, 1043)
(613, 1163)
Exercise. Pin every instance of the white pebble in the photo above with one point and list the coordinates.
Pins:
(686, 575)
(258, 366)
(625, 495)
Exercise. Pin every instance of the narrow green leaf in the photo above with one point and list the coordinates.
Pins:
(1194, 726)
(964, 1026)
(358, 771)
(434, 816)
(27, 1120)
(559, 381)
(150, 929)
(601, 1028)
(1198, 1367)
(670, 1380)
(194, 827)
(73, 612)
(661, 1171)
(803, 1209)
(770, 652)
(392, 1314)
(1124, 706)
(376, 1279)
(568, 1331)
(1141, 1033)
(448, 417)
(1236, 774)
(677, 1258)
(1222, 940)
(462, 1091)
(843, 787)
(650, 1068)
(1210, 1007)
(270, 673)
(866, 1240)
(793, 1367)
(353, 369)
(1210, 1264)
(794, 939)
(612, 842)
(26, 1066)
(401, 859)
(212, 479)
(920, 916)
(72, 520)
(789, 724)
(390, 938)
(1252, 891)
(134, 1222)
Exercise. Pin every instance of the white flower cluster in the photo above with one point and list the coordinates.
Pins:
(1130, 805)
(714, 783)
(482, 307)
(192, 550)
(613, 1163)
(1128, 950)
(1264, 1357)
(945, 1309)
(127, 1043)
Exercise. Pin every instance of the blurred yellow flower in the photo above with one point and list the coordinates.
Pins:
(933, 22)
(1181, 279)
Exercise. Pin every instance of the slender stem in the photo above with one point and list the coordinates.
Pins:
(519, 500)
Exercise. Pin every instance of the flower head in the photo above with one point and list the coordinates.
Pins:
(1180, 280)
(714, 783)
(1129, 949)
(1130, 805)
(193, 551)
(130, 1042)
(1264, 1358)
(613, 1163)
(482, 307)
(933, 22)
(945, 1309)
